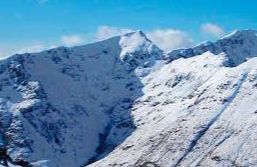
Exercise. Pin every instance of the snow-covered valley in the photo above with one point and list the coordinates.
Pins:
(124, 102)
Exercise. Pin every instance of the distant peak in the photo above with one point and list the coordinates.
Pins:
(238, 46)
(242, 33)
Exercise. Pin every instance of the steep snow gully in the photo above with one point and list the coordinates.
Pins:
(123, 102)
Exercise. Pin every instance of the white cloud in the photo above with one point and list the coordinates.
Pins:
(71, 40)
(2, 53)
(212, 30)
(31, 49)
(168, 39)
(7, 51)
(104, 32)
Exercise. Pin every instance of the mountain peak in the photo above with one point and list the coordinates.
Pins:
(133, 42)
(238, 46)
(137, 49)
(241, 33)
(137, 32)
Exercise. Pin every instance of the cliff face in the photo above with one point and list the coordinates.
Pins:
(58, 105)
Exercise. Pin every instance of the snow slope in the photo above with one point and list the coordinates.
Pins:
(122, 102)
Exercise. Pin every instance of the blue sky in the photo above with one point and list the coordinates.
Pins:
(37, 24)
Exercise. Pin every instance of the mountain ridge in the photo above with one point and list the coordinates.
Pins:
(227, 44)
(169, 55)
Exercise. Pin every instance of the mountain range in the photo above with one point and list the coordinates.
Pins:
(124, 102)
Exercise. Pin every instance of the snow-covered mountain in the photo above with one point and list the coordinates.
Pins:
(123, 102)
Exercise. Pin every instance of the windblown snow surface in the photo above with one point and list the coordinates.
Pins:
(123, 102)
